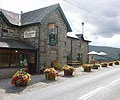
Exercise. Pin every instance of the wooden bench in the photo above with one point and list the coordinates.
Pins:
(75, 63)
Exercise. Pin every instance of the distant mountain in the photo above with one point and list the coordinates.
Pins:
(112, 53)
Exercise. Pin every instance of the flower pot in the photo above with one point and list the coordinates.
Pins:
(68, 72)
(104, 65)
(116, 63)
(50, 76)
(87, 69)
(95, 66)
(22, 84)
(21, 78)
(110, 64)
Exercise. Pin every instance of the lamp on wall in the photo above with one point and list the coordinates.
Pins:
(16, 51)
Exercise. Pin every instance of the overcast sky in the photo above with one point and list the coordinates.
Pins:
(101, 17)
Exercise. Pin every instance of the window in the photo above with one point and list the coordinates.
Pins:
(79, 56)
(7, 32)
(15, 58)
(4, 58)
(9, 58)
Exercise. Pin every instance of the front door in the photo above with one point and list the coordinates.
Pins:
(31, 59)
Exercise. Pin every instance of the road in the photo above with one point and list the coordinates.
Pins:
(102, 85)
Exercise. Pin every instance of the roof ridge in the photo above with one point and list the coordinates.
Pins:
(41, 8)
(8, 11)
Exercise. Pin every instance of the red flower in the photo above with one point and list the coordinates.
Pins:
(15, 78)
(12, 82)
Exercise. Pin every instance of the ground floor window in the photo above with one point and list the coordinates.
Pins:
(14, 58)
(4, 59)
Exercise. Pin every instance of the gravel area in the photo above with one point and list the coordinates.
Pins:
(37, 82)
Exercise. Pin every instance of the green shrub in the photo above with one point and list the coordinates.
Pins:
(56, 65)
(95, 66)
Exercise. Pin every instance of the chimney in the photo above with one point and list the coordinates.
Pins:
(21, 12)
(82, 27)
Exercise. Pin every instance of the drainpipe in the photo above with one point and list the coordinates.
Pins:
(38, 52)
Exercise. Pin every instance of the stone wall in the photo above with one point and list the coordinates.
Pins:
(7, 72)
(78, 46)
(13, 32)
(85, 50)
(57, 52)
(75, 43)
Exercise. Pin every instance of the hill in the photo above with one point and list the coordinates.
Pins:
(112, 53)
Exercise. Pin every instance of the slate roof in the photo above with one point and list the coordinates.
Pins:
(81, 37)
(32, 17)
(15, 44)
(78, 37)
(12, 18)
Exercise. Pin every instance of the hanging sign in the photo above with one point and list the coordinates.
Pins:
(52, 39)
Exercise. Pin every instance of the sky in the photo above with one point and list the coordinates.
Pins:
(101, 17)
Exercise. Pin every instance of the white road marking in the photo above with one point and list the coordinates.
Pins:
(90, 94)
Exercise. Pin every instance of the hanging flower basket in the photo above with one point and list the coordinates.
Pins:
(50, 74)
(68, 70)
(21, 78)
(87, 67)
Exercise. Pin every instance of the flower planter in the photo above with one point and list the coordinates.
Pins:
(21, 78)
(68, 72)
(87, 69)
(110, 64)
(50, 74)
(116, 63)
(95, 66)
(104, 65)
